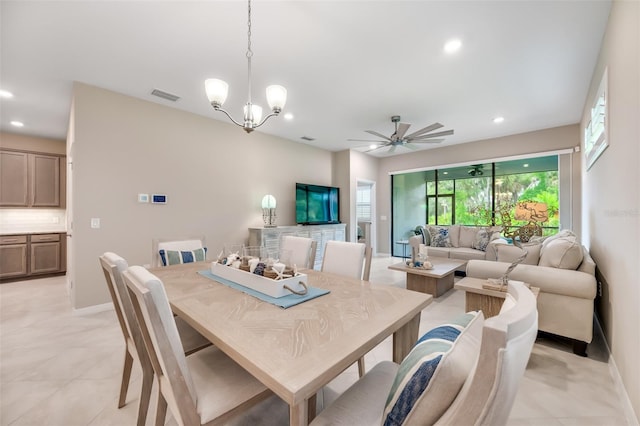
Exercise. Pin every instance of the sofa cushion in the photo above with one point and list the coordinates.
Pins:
(439, 251)
(439, 236)
(467, 236)
(433, 373)
(562, 252)
(465, 253)
(509, 253)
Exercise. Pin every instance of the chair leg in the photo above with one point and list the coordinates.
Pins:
(145, 396)
(361, 366)
(126, 376)
(161, 411)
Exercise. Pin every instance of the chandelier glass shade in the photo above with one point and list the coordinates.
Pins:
(217, 91)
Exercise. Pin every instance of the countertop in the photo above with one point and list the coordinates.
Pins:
(33, 230)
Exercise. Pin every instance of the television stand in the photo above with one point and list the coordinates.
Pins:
(270, 237)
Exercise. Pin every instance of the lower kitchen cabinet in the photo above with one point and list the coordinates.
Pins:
(32, 255)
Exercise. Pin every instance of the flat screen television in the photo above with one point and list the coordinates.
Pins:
(317, 204)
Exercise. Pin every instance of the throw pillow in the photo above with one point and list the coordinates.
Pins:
(482, 240)
(509, 253)
(433, 373)
(562, 252)
(454, 235)
(176, 257)
(439, 236)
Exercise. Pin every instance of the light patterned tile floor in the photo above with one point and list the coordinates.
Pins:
(61, 369)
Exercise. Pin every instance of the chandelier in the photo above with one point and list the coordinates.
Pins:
(217, 91)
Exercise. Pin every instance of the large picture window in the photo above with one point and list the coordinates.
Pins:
(473, 195)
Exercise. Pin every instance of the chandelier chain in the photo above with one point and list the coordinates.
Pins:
(249, 55)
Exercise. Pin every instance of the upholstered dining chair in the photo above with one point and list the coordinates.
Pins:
(113, 266)
(462, 373)
(350, 260)
(204, 387)
(167, 252)
(302, 249)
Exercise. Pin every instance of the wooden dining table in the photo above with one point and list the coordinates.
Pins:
(296, 351)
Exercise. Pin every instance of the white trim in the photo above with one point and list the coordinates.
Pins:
(487, 160)
(90, 310)
(627, 408)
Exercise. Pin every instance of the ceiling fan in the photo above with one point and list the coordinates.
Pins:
(398, 138)
(476, 170)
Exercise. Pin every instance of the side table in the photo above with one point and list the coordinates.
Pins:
(404, 244)
(482, 299)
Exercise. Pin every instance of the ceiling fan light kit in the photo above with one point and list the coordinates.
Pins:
(217, 91)
(398, 137)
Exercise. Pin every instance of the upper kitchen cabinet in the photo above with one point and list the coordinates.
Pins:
(31, 179)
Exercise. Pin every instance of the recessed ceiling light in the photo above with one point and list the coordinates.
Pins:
(452, 46)
(373, 146)
(5, 94)
(525, 165)
(17, 123)
(446, 173)
(288, 116)
(498, 120)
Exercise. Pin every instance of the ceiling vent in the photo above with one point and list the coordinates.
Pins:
(307, 138)
(165, 95)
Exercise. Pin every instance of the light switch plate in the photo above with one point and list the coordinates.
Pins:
(95, 222)
(143, 198)
(159, 199)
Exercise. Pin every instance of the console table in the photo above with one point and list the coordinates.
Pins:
(270, 237)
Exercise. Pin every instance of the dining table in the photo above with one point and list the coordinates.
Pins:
(298, 350)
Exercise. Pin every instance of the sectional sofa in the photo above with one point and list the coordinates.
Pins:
(558, 265)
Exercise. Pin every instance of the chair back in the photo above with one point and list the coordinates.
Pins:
(347, 259)
(163, 343)
(302, 249)
(186, 244)
(507, 340)
(113, 266)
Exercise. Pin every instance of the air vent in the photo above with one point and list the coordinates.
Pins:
(308, 138)
(165, 95)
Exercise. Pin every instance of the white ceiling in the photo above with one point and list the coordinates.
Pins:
(347, 65)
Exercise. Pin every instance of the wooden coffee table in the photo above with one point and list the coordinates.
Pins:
(482, 299)
(436, 281)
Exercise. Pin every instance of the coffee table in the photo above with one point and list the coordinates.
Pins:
(436, 281)
(482, 299)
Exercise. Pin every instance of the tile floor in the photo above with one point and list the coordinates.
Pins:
(61, 369)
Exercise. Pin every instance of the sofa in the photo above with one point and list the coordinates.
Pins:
(564, 272)
(460, 242)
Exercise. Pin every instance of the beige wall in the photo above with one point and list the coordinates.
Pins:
(611, 200)
(32, 143)
(559, 138)
(213, 173)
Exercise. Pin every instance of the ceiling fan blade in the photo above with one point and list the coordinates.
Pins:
(380, 135)
(427, 129)
(392, 149)
(365, 140)
(427, 141)
(402, 129)
(433, 135)
(410, 146)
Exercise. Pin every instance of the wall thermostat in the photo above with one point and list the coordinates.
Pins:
(159, 199)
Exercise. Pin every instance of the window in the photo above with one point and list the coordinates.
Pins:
(363, 203)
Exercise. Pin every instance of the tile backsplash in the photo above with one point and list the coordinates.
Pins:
(32, 220)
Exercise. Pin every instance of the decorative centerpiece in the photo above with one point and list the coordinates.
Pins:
(260, 271)
(419, 255)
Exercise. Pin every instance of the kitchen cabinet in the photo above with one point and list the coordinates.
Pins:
(32, 255)
(13, 256)
(31, 179)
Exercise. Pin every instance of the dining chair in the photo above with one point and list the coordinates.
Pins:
(113, 266)
(469, 377)
(302, 249)
(350, 260)
(205, 387)
(168, 252)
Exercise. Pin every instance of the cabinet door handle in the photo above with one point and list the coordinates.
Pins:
(11, 240)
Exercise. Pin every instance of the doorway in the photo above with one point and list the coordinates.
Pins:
(365, 213)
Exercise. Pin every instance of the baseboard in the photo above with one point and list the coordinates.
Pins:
(629, 414)
(89, 310)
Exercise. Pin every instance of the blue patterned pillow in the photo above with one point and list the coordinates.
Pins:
(439, 236)
(176, 257)
(433, 373)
